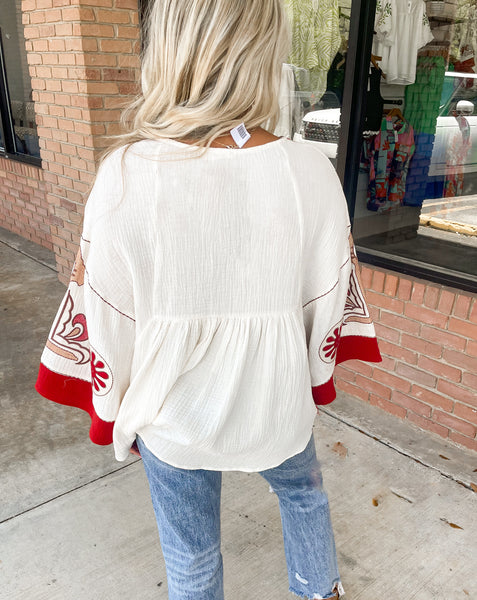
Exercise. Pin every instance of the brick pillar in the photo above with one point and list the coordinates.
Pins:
(84, 62)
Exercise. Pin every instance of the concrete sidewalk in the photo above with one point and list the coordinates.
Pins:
(77, 525)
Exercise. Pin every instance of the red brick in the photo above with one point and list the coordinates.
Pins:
(473, 311)
(56, 45)
(94, 3)
(398, 351)
(387, 364)
(462, 306)
(416, 375)
(390, 304)
(431, 297)
(37, 17)
(421, 346)
(130, 89)
(128, 32)
(457, 392)
(439, 368)
(464, 328)
(131, 4)
(373, 310)
(456, 424)
(63, 30)
(463, 440)
(443, 337)
(404, 289)
(410, 403)
(417, 294)
(466, 412)
(432, 398)
(397, 383)
(373, 386)
(358, 366)
(471, 348)
(113, 16)
(366, 277)
(116, 46)
(97, 30)
(428, 424)
(378, 281)
(399, 323)
(391, 284)
(389, 407)
(446, 302)
(342, 372)
(121, 74)
(460, 359)
(353, 390)
(425, 315)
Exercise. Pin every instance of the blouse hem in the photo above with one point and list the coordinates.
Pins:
(71, 391)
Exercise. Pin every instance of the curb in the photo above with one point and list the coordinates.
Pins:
(445, 225)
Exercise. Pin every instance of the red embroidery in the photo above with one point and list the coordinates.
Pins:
(101, 376)
(330, 344)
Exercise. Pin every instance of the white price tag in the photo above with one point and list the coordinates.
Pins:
(240, 135)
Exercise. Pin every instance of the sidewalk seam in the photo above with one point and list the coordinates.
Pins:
(34, 258)
(68, 492)
(394, 447)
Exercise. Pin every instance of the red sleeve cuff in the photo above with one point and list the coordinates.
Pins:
(358, 347)
(71, 391)
(350, 348)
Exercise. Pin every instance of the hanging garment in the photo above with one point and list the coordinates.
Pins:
(316, 39)
(464, 38)
(387, 156)
(290, 107)
(457, 152)
(374, 102)
(402, 27)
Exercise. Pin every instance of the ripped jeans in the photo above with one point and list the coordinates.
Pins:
(187, 508)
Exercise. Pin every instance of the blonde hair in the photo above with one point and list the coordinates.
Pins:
(207, 66)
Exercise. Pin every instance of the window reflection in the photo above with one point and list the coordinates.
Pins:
(21, 114)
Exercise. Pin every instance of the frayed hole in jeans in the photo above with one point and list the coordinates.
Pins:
(300, 579)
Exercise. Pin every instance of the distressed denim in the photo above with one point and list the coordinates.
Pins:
(187, 508)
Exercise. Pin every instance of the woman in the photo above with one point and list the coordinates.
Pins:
(214, 291)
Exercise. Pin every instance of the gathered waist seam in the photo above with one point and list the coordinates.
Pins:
(227, 316)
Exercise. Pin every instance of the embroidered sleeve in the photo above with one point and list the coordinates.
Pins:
(86, 362)
(337, 320)
(87, 357)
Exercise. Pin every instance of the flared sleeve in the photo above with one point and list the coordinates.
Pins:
(86, 362)
(336, 317)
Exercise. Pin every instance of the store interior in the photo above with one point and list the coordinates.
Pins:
(416, 198)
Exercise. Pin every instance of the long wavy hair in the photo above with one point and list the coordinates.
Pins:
(207, 66)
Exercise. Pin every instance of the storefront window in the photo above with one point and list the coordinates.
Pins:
(416, 197)
(417, 188)
(313, 80)
(17, 108)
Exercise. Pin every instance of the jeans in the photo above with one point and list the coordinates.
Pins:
(187, 508)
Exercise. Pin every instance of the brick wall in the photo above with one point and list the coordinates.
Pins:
(428, 339)
(83, 59)
(23, 205)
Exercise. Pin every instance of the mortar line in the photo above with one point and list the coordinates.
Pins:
(79, 487)
(389, 444)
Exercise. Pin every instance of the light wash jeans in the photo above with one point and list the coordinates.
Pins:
(187, 508)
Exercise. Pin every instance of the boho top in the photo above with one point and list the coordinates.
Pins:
(210, 300)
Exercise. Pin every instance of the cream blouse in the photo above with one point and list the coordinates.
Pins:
(209, 296)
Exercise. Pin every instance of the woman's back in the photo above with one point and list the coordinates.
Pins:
(209, 263)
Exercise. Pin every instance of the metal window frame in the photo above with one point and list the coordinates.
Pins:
(349, 149)
(6, 119)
